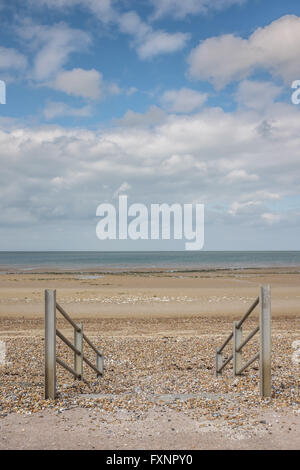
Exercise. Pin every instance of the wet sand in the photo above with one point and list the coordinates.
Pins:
(156, 294)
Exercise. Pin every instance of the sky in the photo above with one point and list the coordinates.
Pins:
(162, 100)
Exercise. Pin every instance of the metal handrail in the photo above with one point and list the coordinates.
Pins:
(68, 368)
(67, 342)
(226, 362)
(249, 311)
(85, 359)
(50, 346)
(69, 319)
(248, 363)
(250, 336)
(264, 355)
(226, 342)
(100, 353)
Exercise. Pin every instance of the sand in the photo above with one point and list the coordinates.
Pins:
(159, 331)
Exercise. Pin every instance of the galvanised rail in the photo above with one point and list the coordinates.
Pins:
(264, 354)
(50, 347)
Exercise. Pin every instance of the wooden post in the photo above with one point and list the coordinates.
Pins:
(219, 362)
(50, 344)
(237, 340)
(265, 342)
(78, 343)
(100, 364)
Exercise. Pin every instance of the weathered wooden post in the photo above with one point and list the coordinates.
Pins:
(50, 344)
(100, 363)
(237, 341)
(265, 342)
(219, 362)
(78, 343)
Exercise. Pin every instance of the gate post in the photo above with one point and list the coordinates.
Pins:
(219, 362)
(265, 342)
(50, 344)
(78, 343)
(100, 364)
(237, 340)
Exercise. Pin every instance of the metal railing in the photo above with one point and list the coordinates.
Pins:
(264, 354)
(50, 347)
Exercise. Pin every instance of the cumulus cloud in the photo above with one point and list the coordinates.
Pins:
(270, 218)
(214, 157)
(114, 89)
(183, 100)
(54, 109)
(131, 23)
(147, 41)
(152, 117)
(79, 82)
(11, 59)
(180, 9)
(53, 45)
(88, 84)
(131, 91)
(161, 42)
(241, 175)
(225, 58)
(244, 208)
(255, 94)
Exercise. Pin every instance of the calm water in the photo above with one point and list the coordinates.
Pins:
(131, 260)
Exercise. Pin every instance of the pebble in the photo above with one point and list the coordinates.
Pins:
(138, 369)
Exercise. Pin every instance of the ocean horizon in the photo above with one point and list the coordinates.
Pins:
(130, 260)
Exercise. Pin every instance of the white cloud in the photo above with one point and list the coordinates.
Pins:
(124, 188)
(180, 9)
(152, 117)
(149, 42)
(183, 100)
(130, 23)
(103, 9)
(55, 109)
(244, 208)
(274, 48)
(241, 175)
(214, 157)
(79, 82)
(113, 89)
(53, 44)
(11, 59)
(131, 91)
(257, 95)
(161, 42)
(270, 218)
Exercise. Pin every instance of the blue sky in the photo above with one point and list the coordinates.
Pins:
(166, 101)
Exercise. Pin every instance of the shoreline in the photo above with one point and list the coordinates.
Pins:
(24, 270)
(53, 262)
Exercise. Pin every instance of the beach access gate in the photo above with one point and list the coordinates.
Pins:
(264, 353)
(50, 347)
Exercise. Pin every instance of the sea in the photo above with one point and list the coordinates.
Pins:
(152, 260)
